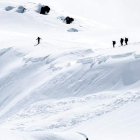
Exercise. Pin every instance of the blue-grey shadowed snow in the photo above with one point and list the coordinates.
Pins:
(130, 74)
(21, 9)
(85, 136)
(72, 30)
(3, 51)
(8, 8)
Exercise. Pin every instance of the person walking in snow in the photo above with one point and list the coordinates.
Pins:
(126, 41)
(114, 42)
(121, 41)
(38, 40)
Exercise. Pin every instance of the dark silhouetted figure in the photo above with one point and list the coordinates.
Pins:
(44, 10)
(126, 41)
(86, 138)
(68, 20)
(121, 41)
(114, 42)
(38, 40)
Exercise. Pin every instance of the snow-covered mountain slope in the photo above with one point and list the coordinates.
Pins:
(112, 12)
(72, 81)
(39, 135)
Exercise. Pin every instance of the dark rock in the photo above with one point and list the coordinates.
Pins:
(69, 20)
(45, 10)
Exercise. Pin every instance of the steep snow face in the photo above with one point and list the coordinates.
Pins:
(38, 73)
(70, 81)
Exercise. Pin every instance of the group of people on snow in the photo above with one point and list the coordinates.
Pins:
(121, 41)
(114, 42)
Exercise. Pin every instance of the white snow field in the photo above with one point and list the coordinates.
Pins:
(73, 85)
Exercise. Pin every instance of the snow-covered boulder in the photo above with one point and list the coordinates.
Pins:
(72, 30)
(21, 9)
(69, 20)
(42, 9)
(62, 18)
(8, 8)
(45, 10)
(38, 8)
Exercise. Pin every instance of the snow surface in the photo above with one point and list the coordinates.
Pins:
(74, 85)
